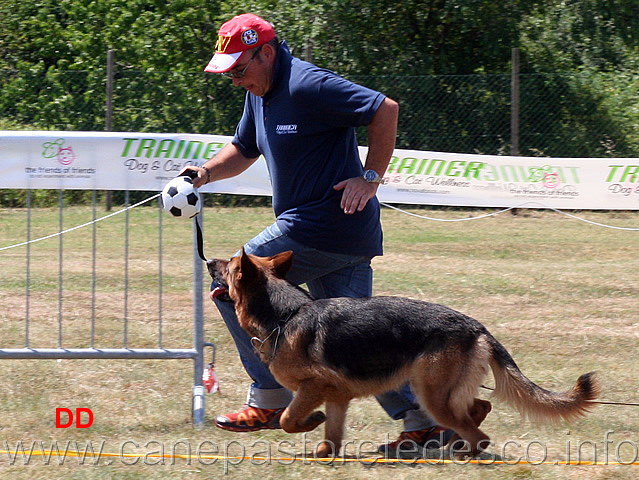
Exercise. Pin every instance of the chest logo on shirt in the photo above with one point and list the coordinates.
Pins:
(285, 129)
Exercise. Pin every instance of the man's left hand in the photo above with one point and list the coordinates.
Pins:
(357, 193)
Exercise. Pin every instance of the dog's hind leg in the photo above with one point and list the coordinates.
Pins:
(446, 387)
(478, 412)
(299, 415)
(462, 423)
(334, 429)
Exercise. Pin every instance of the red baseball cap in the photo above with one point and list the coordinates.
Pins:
(236, 36)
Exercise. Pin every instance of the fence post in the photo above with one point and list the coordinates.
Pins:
(198, 330)
(308, 50)
(514, 107)
(109, 111)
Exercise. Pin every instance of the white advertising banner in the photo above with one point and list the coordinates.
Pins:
(146, 161)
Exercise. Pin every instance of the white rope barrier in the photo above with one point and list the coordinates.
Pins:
(465, 219)
(53, 235)
(493, 214)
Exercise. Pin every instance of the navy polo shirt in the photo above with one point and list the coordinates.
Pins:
(305, 128)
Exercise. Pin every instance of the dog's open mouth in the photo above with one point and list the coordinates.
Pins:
(219, 291)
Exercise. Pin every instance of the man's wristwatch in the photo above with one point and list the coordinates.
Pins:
(371, 176)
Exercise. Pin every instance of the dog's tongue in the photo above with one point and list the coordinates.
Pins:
(217, 290)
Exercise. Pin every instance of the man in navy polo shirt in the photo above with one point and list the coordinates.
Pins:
(302, 119)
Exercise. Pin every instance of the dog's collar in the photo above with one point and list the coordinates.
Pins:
(258, 343)
(255, 341)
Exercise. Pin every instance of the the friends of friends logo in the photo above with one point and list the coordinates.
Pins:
(56, 149)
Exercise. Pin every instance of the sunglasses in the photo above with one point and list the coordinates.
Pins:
(242, 72)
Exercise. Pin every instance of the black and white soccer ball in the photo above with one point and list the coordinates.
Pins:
(180, 198)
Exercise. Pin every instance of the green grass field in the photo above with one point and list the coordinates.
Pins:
(560, 294)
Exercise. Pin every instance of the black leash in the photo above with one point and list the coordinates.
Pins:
(200, 238)
(192, 174)
(600, 402)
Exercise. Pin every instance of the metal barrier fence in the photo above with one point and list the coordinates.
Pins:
(92, 351)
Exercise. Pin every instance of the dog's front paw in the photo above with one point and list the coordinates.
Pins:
(296, 425)
(326, 449)
(315, 419)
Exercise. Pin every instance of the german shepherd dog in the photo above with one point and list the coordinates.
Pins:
(333, 350)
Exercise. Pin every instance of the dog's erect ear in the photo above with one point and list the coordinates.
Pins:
(247, 268)
(282, 263)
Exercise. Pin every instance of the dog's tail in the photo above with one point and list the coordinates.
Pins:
(534, 402)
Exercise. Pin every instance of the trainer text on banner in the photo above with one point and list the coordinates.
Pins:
(457, 179)
(109, 161)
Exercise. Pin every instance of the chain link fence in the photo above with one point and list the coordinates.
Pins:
(560, 115)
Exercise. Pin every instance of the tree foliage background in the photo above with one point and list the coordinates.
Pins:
(447, 62)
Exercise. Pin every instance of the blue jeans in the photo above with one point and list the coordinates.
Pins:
(326, 275)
